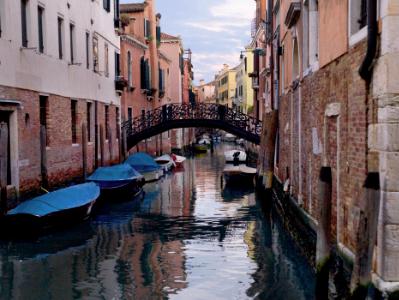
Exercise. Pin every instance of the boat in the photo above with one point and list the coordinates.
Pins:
(228, 137)
(145, 165)
(240, 174)
(230, 155)
(118, 181)
(204, 141)
(166, 162)
(60, 208)
(200, 148)
(240, 142)
(179, 160)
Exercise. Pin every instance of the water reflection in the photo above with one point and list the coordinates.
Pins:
(188, 238)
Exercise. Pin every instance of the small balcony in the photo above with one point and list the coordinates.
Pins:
(120, 83)
(255, 83)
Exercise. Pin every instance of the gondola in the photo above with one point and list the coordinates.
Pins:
(118, 182)
(230, 156)
(60, 208)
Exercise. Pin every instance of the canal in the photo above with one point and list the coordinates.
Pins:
(190, 237)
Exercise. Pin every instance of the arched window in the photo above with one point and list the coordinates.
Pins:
(129, 68)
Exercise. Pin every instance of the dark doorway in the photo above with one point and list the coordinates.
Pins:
(5, 118)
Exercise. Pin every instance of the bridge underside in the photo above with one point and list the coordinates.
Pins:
(149, 132)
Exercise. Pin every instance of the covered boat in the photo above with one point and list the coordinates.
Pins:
(240, 174)
(229, 137)
(238, 154)
(200, 148)
(118, 181)
(63, 207)
(145, 165)
(166, 162)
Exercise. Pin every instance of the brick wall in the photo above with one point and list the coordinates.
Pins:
(64, 159)
(346, 144)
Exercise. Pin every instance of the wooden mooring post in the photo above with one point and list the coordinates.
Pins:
(323, 245)
(270, 146)
(43, 156)
(3, 167)
(84, 150)
(102, 142)
(124, 144)
(366, 236)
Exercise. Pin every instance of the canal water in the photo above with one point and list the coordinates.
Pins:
(189, 237)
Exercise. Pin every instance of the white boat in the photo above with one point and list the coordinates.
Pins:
(240, 142)
(229, 137)
(240, 174)
(229, 156)
(204, 141)
(165, 162)
(179, 160)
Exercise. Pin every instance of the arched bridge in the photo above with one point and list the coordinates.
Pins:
(173, 116)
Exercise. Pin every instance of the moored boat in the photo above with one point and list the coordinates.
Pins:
(240, 174)
(145, 165)
(241, 156)
(166, 162)
(117, 182)
(60, 208)
(179, 160)
(200, 148)
(228, 137)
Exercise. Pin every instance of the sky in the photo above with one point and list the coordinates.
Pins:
(215, 30)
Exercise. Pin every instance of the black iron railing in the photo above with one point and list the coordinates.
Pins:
(193, 115)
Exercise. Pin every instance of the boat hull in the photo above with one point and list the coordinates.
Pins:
(27, 225)
(153, 175)
(200, 148)
(115, 191)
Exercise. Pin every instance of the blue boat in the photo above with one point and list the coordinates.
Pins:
(118, 181)
(146, 165)
(63, 207)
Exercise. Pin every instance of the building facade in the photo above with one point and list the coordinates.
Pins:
(336, 110)
(226, 86)
(58, 74)
(206, 92)
(244, 99)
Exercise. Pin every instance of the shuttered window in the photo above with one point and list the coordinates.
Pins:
(87, 50)
(24, 23)
(60, 37)
(74, 106)
(117, 66)
(107, 5)
(40, 16)
(142, 73)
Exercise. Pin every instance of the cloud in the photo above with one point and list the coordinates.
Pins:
(237, 9)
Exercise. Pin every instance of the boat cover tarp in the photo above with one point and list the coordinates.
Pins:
(115, 173)
(142, 162)
(63, 199)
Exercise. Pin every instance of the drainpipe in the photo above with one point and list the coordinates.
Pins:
(365, 70)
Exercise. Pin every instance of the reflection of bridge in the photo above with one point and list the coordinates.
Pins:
(191, 115)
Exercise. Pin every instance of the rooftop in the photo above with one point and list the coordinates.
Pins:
(132, 7)
(165, 36)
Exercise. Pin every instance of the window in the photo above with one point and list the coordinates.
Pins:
(106, 60)
(95, 55)
(311, 34)
(147, 28)
(88, 120)
(2, 9)
(87, 50)
(107, 5)
(60, 38)
(117, 121)
(40, 19)
(117, 65)
(44, 114)
(24, 22)
(74, 105)
(72, 42)
(357, 20)
(116, 13)
(106, 122)
(129, 69)
(130, 114)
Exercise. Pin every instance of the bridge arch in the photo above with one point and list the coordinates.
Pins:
(172, 116)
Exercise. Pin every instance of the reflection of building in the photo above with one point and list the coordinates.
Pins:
(225, 86)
